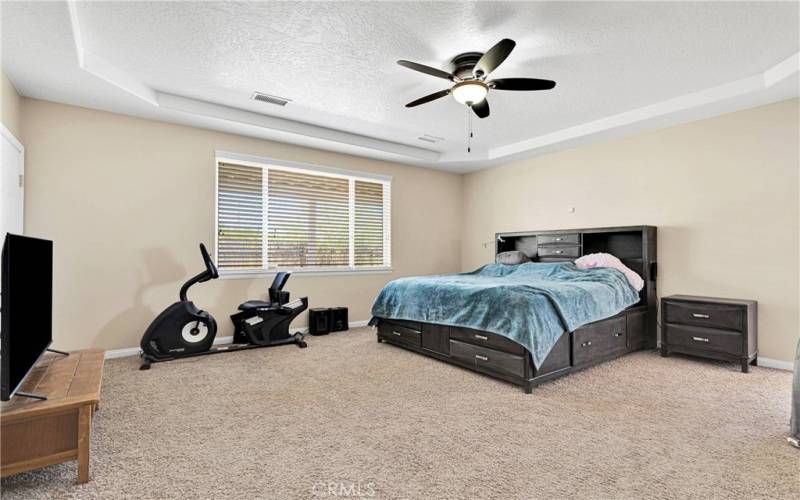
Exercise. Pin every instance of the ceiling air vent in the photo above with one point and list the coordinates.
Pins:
(430, 138)
(271, 99)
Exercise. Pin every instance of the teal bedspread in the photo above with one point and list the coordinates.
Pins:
(532, 304)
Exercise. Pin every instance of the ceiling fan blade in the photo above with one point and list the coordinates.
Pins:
(426, 69)
(521, 84)
(428, 98)
(493, 57)
(481, 109)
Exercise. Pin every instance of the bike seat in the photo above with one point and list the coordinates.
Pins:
(254, 304)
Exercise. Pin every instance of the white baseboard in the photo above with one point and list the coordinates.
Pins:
(134, 351)
(775, 363)
(769, 363)
(122, 353)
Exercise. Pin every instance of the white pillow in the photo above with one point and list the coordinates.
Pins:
(608, 260)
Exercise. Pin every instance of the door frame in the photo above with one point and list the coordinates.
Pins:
(7, 135)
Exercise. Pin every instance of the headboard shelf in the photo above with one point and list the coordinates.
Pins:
(635, 246)
(635, 243)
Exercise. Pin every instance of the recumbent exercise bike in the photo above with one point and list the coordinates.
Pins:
(183, 330)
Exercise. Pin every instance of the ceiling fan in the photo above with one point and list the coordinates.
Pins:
(469, 73)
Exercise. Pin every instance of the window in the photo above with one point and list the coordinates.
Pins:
(276, 215)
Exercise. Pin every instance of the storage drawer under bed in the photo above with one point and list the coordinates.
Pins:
(485, 339)
(488, 359)
(595, 341)
(400, 333)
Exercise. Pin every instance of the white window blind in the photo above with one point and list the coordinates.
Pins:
(274, 217)
(308, 221)
(240, 217)
(368, 219)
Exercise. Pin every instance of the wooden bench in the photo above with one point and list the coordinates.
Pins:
(39, 433)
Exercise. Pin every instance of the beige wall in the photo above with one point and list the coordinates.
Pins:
(722, 191)
(127, 200)
(9, 105)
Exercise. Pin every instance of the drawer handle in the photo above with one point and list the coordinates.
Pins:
(558, 251)
(481, 337)
(618, 334)
(702, 316)
(700, 339)
(482, 358)
(397, 333)
(586, 344)
(559, 239)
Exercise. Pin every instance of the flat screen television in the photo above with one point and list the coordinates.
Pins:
(26, 319)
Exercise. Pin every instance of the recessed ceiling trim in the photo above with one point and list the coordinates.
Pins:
(77, 38)
(782, 70)
(746, 92)
(106, 71)
(695, 100)
(103, 69)
(221, 112)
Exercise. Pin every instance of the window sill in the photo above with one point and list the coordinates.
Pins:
(263, 273)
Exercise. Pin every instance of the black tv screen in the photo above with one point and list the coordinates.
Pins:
(27, 312)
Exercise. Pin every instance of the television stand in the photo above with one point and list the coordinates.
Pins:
(39, 396)
(36, 432)
(29, 395)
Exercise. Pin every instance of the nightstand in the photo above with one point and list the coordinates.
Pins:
(710, 327)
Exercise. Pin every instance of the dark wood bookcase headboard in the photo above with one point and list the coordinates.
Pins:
(635, 246)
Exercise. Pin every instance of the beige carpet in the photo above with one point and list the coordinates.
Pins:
(373, 420)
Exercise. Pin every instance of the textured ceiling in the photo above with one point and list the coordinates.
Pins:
(336, 60)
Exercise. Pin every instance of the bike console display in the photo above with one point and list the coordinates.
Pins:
(276, 293)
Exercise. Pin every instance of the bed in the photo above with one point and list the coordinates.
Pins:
(530, 323)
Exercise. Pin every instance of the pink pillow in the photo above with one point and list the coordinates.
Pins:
(608, 260)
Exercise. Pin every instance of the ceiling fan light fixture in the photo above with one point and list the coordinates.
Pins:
(469, 92)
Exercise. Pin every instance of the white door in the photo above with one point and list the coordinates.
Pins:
(12, 170)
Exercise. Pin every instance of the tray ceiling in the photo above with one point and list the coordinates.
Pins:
(621, 67)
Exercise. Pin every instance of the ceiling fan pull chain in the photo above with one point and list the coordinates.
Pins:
(469, 129)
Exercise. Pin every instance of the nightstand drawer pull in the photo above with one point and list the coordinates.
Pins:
(559, 251)
(482, 358)
(586, 344)
(702, 316)
(559, 239)
(481, 337)
(700, 339)
(397, 333)
(618, 334)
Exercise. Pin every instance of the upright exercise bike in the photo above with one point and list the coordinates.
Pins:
(183, 330)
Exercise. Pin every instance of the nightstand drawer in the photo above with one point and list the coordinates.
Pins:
(555, 251)
(705, 315)
(558, 239)
(706, 339)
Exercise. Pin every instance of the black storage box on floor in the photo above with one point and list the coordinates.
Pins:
(337, 321)
(319, 321)
(323, 320)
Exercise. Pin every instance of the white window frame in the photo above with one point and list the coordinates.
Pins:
(351, 175)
